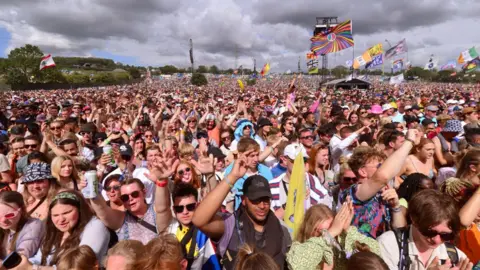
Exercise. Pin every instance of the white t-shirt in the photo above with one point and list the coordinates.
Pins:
(149, 185)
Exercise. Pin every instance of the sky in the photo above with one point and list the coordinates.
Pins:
(157, 32)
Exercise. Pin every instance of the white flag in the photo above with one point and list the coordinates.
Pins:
(47, 62)
(397, 79)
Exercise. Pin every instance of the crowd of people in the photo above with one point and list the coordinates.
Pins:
(165, 175)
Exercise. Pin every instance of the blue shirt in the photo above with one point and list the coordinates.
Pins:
(277, 170)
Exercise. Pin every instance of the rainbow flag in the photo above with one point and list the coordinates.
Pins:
(295, 208)
(265, 69)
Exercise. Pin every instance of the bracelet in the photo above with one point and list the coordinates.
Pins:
(396, 209)
(161, 183)
(228, 182)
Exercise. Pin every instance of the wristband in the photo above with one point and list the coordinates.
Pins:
(161, 183)
(228, 182)
(396, 209)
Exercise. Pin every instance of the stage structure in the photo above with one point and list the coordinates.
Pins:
(324, 25)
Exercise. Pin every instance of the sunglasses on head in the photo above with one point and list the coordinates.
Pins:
(444, 236)
(180, 172)
(134, 195)
(180, 208)
(116, 188)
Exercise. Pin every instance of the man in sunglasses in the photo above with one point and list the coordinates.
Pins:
(31, 144)
(307, 138)
(197, 247)
(279, 186)
(425, 244)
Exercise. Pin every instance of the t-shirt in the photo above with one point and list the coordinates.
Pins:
(371, 217)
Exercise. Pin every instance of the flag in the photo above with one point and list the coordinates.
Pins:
(265, 69)
(336, 39)
(313, 70)
(362, 60)
(376, 50)
(431, 64)
(452, 64)
(240, 84)
(47, 62)
(467, 55)
(376, 61)
(295, 207)
(472, 65)
(397, 65)
(397, 79)
(349, 63)
(400, 47)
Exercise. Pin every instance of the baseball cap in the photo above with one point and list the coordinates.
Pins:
(293, 149)
(126, 150)
(256, 187)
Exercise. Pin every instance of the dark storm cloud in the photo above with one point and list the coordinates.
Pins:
(368, 16)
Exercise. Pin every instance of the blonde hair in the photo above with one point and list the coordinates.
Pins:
(314, 215)
(57, 165)
(343, 168)
(164, 253)
(250, 259)
(78, 258)
(130, 250)
(186, 149)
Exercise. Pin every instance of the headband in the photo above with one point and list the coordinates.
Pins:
(65, 195)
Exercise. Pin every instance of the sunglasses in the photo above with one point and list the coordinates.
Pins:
(349, 179)
(307, 138)
(226, 138)
(55, 128)
(444, 236)
(116, 188)
(11, 214)
(134, 195)
(289, 123)
(148, 136)
(192, 121)
(32, 146)
(180, 208)
(180, 172)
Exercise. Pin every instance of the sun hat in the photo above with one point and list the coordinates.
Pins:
(376, 109)
(37, 171)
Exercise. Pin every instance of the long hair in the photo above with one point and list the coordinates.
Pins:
(57, 165)
(314, 215)
(471, 157)
(14, 199)
(250, 259)
(195, 182)
(53, 237)
(411, 185)
(312, 161)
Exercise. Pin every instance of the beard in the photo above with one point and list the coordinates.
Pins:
(253, 218)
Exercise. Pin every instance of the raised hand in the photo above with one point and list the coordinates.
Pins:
(391, 197)
(339, 221)
(205, 163)
(161, 170)
(239, 166)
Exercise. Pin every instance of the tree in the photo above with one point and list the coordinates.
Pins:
(340, 71)
(103, 77)
(199, 79)
(214, 69)
(202, 69)
(78, 78)
(168, 69)
(135, 72)
(23, 65)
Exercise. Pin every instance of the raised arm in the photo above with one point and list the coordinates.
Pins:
(470, 210)
(204, 217)
(389, 168)
(163, 168)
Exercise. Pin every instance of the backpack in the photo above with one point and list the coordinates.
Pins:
(402, 235)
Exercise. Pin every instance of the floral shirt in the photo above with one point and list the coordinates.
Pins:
(131, 229)
(372, 217)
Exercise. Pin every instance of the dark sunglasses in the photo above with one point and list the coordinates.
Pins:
(444, 236)
(349, 179)
(191, 121)
(32, 146)
(202, 136)
(181, 171)
(180, 208)
(134, 195)
(116, 188)
(307, 137)
(55, 128)
(226, 138)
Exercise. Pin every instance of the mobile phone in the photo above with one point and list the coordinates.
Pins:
(12, 260)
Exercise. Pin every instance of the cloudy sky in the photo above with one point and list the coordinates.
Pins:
(156, 32)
